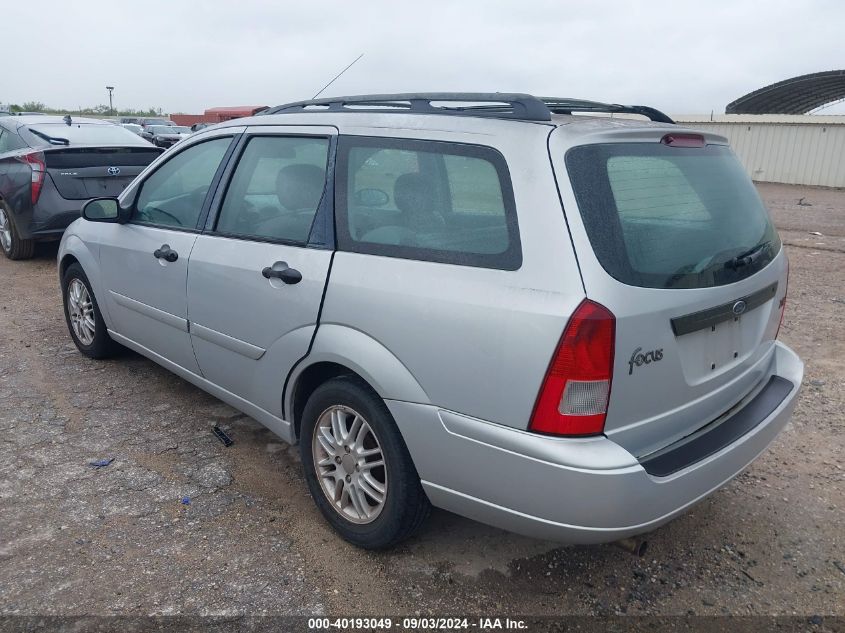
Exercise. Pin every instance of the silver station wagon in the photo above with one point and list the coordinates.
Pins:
(555, 316)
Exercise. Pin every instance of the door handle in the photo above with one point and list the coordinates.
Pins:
(286, 274)
(166, 253)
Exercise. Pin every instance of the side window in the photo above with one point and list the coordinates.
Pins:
(275, 189)
(428, 200)
(173, 195)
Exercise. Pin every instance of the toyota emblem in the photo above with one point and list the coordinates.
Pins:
(113, 171)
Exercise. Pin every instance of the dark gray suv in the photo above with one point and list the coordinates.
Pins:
(49, 165)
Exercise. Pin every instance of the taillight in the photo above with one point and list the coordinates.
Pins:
(39, 171)
(782, 305)
(574, 395)
(683, 140)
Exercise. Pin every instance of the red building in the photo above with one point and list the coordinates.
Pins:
(216, 115)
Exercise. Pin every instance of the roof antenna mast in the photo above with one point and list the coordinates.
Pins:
(338, 76)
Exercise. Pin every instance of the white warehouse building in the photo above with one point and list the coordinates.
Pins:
(800, 149)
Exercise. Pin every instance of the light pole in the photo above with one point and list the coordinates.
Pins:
(111, 107)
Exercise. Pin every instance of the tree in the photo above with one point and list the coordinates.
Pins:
(98, 110)
(33, 106)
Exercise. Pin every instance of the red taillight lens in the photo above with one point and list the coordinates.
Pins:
(783, 301)
(574, 396)
(683, 140)
(39, 171)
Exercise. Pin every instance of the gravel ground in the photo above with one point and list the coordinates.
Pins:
(118, 540)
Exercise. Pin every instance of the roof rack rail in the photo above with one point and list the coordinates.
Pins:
(498, 104)
(564, 105)
(501, 105)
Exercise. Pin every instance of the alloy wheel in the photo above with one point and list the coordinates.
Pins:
(80, 309)
(5, 231)
(350, 465)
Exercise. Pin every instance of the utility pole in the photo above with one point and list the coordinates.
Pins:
(111, 106)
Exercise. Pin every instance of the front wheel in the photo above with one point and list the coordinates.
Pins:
(84, 320)
(357, 466)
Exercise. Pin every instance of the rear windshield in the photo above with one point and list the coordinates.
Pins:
(81, 134)
(671, 217)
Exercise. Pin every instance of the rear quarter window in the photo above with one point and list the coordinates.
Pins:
(9, 141)
(427, 200)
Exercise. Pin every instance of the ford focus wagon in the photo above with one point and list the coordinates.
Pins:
(555, 316)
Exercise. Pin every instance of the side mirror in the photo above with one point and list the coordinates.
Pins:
(101, 210)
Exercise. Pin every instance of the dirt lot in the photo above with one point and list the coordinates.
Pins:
(75, 540)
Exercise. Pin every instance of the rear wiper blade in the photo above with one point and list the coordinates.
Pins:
(52, 140)
(748, 257)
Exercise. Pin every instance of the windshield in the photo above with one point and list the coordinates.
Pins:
(82, 134)
(671, 217)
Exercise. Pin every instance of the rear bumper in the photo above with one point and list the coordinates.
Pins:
(50, 216)
(579, 490)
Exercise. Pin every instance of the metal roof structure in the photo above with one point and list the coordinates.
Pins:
(798, 95)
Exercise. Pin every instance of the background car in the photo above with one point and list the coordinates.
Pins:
(148, 121)
(130, 119)
(196, 127)
(50, 165)
(132, 127)
(165, 135)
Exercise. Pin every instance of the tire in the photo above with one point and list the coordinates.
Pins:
(82, 307)
(404, 506)
(11, 243)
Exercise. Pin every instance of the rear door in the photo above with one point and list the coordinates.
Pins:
(145, 263)
(673, 239)
(257, 275)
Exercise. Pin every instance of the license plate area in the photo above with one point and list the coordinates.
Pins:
(714, 341)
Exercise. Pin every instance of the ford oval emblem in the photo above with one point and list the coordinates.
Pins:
(739, 307)
(113, 171)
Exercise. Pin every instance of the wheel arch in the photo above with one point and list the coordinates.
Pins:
(339, 350)
(66, 261)
(74, 250)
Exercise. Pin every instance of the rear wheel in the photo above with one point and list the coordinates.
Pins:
(11, 243)
(84, 321)
(357, 466)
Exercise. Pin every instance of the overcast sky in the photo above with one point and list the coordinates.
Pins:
(682, 56)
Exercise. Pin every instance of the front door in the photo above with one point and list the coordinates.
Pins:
(145, 262)
(256, 277)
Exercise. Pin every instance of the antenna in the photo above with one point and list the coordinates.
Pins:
(338, 76)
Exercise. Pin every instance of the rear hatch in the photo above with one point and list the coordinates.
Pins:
(87, 159)
(673, 239)
(90, 172)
